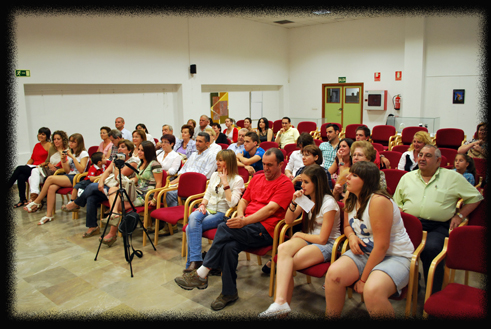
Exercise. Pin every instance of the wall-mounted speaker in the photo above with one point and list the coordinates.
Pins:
(193, 69)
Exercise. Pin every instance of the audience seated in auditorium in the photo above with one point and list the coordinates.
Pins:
(262, 206)
(312, 245)
(477, 147)
(202, 161)
(380, 248)
(251, 157)
(409, 159)
(73, 162)
(231, 131)
(239, 146)
(431, 194)
(264, 132)
(223, 192)
(330, 147)
(287, 134)
(464, 165)
(169, 159)
(204, 122)
(119, 123)
(363, 134)
(38, 157)
(186, 146)
(96, 193)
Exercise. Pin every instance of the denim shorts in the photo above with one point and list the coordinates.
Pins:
(325, 249)
(70, 177)
(396, 267)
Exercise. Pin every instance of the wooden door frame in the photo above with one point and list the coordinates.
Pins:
(324, 85)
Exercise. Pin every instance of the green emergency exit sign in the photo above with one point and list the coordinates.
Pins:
(22, 73)
(341, 79)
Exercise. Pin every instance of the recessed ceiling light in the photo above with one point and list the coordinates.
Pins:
(321, 12)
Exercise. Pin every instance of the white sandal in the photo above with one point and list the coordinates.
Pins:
(31, 205)
(45, 219)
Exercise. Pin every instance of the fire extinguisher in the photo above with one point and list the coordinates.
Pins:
(396, 100)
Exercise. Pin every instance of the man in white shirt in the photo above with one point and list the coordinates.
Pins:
(239, 146)
(287, 134)
(204, 122)
(119, 123)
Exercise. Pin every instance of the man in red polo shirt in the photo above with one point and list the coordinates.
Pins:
(262, 206)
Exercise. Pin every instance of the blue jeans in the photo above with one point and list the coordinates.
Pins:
(197, 223)
(91, 198)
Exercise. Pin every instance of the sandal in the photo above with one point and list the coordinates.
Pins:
(111, 241)
(20, 204)
(91, 233)
(64, 207)
(33, 207)
(45, 219)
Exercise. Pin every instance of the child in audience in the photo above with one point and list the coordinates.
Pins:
(95, 171)
(464, 165)
(311, 246)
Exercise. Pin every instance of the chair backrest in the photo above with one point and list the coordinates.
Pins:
(224, 146)
(382, 133)
(393, 157)
(414, 228)
(240, 124)
(244, 173)
(267, 145)
(276, 126)
(191, 183)
(92, 150)
(164, 178)
(392, 177)
(449, 138)
(478, 217)
(379, 147)
(449, 154)
(400, 148)
(444, 161)
(306, 126)
(481, 167)
(318, 141)
(155, 140)
(467, 249)
(289, 148)
(350, 130)
(407, 134)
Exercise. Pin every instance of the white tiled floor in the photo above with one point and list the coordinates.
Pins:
(56, 274)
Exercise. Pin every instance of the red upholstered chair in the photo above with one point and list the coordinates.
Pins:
(383, 134)
(407, 135)
(400, 148)
(318, 142)
(289, 148)
(244, 173)
(191, 186)
(318, 270)
(451, 138)
(444, 162)
(393, 157)
(478, 217)
(224, 146)
(267, 145)
(276, 126)
(464, 249)
(379, 147)
(306, 126)
(392, 177)
(481, 167)
(414, 229)
(449, 154)
(240, 124)
(92, 150)
(350, 130)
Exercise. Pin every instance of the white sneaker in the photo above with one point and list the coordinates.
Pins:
(275, 310)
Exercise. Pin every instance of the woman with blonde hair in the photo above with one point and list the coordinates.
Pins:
(139, 136)
(223, 192)
(409, 159)
(364, 151)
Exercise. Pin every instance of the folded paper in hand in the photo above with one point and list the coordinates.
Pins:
(305, 203)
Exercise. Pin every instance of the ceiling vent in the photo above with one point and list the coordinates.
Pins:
(285, 21)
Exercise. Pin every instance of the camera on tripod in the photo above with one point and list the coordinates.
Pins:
(119, 160)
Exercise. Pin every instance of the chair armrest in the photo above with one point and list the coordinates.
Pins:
(163, 193)
(431, 272)
(337, 244)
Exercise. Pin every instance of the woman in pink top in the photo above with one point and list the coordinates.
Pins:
(21, 173)
(106, 145)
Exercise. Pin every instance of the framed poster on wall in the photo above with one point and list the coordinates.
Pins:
(458, 96)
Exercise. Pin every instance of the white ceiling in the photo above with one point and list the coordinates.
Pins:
(299, 19)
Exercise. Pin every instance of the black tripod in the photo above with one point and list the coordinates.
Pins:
(129, 221)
